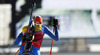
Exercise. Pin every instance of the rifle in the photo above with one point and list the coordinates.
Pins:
(29, 25)
(30, 31)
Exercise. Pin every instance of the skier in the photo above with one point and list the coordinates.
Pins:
(36, 34)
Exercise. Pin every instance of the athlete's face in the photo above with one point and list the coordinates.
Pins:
(38, 20)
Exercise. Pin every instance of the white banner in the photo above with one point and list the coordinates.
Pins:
(5, 19)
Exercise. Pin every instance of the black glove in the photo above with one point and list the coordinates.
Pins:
(55, 23)
(27, 36)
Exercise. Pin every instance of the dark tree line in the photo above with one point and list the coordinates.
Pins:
(17, 16)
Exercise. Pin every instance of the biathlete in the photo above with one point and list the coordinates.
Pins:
(36, 40)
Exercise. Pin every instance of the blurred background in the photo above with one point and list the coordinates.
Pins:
(79, 25)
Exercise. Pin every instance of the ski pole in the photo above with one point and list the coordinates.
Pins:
(17, 51)
(52, 42)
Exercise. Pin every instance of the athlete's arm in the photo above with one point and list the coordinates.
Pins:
(18, 41)
(50, 34)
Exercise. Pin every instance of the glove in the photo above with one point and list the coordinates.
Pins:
(55, 23)
(27, 37)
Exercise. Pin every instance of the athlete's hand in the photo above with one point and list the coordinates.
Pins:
(55, 23)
